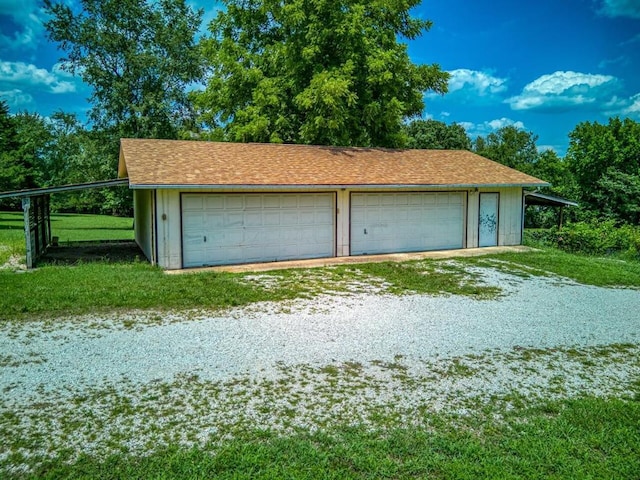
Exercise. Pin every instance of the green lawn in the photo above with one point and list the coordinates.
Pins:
(68, 227)
(599, 271)
(584, 438)
(11, 235)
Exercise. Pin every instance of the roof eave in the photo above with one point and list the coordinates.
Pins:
(330, 186)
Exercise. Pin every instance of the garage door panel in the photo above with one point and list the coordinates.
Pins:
(213, 202)
(267, 236)
(325, 201)
(230, 238)
(404, 222)
(253, 202)
(194, 222)
(192, 204)
(232, 220)
(272, 202)
(288, 217)
(271, 217)
(241, 228)
(213, 220)
(323, 217)
(233, 202)
(415, 200)
(253, 219)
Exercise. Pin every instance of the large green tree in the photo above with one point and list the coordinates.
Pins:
(139, 56)
(315, 71)
(60, 163)
(8, 129)
(18, 151)
(555, 170)
(437, 135)
(510, 146)
(605, 161)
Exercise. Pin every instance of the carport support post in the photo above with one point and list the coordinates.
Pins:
(26, 206)
(560, 218)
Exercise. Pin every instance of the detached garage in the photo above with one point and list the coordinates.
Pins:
(210, 203)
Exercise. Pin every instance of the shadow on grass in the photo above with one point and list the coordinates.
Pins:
(127, 228)
(90, 252)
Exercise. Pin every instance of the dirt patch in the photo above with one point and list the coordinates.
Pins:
(14, 262)
(92, 252)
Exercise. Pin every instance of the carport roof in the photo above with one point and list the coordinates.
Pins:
(34, 192)
(196, 164)
(537, 198)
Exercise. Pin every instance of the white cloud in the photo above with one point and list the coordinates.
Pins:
(27, 74)
(565, 90)
(16, 97)
(624, 107)
(480, 83)
(484, 128)
(504, 122)
(468, 126)
(621, 60)
(633, 109)
(620, 8)
(27, 26)
(634, 39)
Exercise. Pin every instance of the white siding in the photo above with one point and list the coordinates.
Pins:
(143, 224)
(509, 218)
(510, 222)
(342, 223)
(169, 229)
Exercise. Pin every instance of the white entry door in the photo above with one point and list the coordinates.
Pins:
(223, 229)
(406, 222)
(488, 220)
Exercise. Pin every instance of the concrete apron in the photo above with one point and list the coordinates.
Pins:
(326, 262)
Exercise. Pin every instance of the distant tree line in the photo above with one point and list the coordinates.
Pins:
(304, 71)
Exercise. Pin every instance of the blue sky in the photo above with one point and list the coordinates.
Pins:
(543, 66)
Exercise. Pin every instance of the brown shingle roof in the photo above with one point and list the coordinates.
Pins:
(195, 163)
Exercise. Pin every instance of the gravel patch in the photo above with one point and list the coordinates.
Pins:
(138, 381)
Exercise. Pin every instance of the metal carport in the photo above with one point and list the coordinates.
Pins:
(37, 215)
(541, 199)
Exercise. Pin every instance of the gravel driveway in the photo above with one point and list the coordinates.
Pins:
(473, 346)
(535, 312)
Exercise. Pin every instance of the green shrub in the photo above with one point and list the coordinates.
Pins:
(536, 237)
(591, 238)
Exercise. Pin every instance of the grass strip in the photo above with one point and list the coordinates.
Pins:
(581, 438)
(94, 287)
(587, 270)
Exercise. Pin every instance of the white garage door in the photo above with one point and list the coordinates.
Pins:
(406, 222)
(222, 229)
